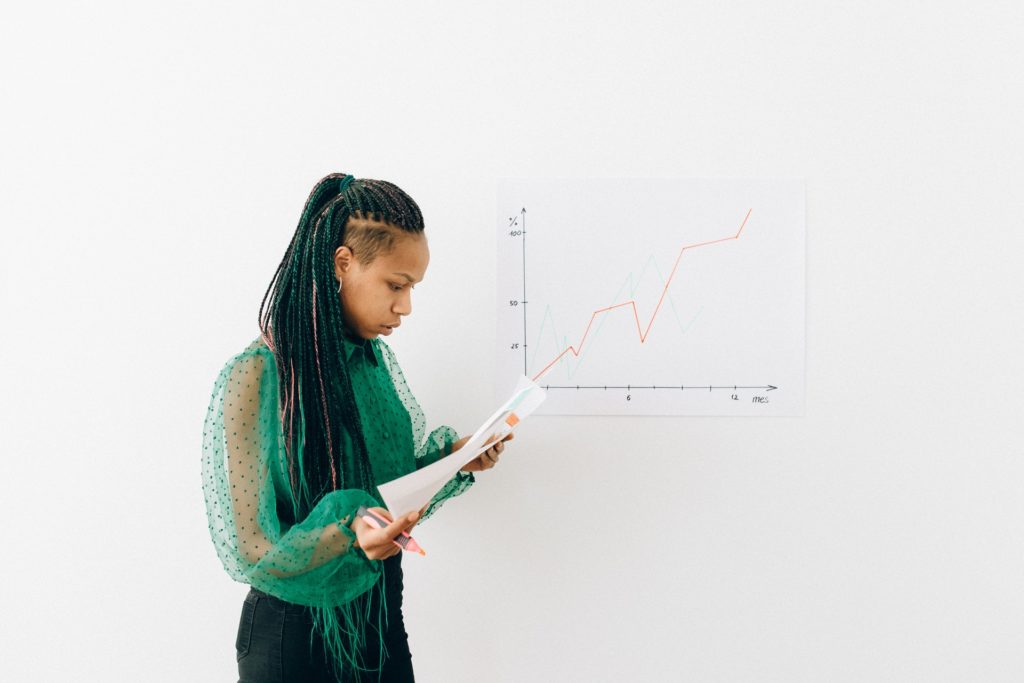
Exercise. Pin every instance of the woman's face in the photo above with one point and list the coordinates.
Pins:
(375, 297)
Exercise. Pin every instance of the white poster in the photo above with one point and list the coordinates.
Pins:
(653, 296)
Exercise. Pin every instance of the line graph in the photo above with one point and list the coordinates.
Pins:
(579, 357)
(737, 344)
(636, 316)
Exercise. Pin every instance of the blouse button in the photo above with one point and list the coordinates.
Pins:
(385, 435)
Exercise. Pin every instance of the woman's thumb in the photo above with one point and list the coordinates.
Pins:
(396, 527)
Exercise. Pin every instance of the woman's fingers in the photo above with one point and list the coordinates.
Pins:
(412, 519)
(399, 525)
(381, 546)
(382, 513)
(489, 458)
(388, 533)
(492, 454)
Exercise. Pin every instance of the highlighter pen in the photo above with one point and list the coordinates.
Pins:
(403, 540)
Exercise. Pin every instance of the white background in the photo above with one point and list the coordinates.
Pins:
(155, 158)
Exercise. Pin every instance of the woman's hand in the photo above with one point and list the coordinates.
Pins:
(378, 543)
(485, 460)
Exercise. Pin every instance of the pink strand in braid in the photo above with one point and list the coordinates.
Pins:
(268, 339)
(288, 409)
(291, 421)
(323, 396)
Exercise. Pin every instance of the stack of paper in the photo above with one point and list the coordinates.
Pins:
(413, 491)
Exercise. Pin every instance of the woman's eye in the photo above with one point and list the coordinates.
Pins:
(396, 288)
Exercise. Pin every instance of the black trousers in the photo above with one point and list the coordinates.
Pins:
(273, 644)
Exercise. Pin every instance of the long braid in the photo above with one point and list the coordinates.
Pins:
(335, 356)
(301, 319)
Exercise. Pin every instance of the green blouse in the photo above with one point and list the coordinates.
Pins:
(246, 476)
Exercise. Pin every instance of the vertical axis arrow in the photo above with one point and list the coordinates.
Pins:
(523, 214)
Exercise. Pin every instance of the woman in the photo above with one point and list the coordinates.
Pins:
(302, 426)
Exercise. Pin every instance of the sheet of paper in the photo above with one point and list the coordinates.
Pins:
(413, 491)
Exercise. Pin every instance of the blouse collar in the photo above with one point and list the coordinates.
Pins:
(366, 347)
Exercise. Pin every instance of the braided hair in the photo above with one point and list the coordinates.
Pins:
(302, 324)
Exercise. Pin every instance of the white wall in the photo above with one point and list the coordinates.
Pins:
(155, 160)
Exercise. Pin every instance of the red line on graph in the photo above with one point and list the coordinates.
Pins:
(636, 316)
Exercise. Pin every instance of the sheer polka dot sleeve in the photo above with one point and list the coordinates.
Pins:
(248, 499)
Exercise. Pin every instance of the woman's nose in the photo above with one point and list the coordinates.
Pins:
(403, 306)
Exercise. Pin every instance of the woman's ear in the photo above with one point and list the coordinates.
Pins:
(342, 261)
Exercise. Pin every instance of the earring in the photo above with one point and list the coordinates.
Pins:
(339, 286)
